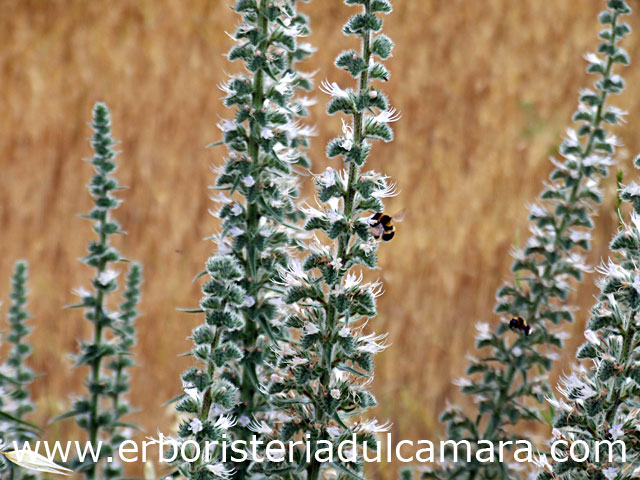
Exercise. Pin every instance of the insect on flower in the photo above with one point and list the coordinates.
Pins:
(520, 324)
(382, 225)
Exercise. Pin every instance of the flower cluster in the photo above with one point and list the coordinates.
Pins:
(15, 375)
(257, 189)
(324, 369)
(100, 411)
(508, 379)
(600, 397)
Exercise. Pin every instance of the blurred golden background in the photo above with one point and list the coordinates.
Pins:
(486, 89)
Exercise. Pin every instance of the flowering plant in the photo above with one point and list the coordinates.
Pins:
(509, 379)
(257, 189)
(100, 411)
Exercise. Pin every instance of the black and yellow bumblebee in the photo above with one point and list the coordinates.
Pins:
(382, 226)
(519, 323)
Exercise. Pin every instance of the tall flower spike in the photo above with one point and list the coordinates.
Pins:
(600, 398)
(324, 369)
(509, 380)
(94, 412)
(15, 375)
(257, 189)
(125, 339)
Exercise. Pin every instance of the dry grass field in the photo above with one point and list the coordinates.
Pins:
(486, 89)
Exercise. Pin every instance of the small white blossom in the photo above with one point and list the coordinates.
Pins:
(462, 382)
(249, 301)
(616, 431)
(335, 393)
(225, 422)
(248, 181)
(219, 470)
(107, 276)
(610, 473)
(483, 331)
(592, 337)
(333, 89)
(373, 426)
(236, 209)
(235, 231)
(81, 292)
(311, 329)
(387, 116)
(196, 425)
(260, 427)
(226, 125)
(266, 133)
(347, 131)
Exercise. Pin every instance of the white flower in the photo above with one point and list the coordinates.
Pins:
(462, 382)
(483, 331)
(373, 426)
(260, 427)
(81, 292)
(633, 189)
(620, 114)
(578, 236)
(327, 178)
(369, 343)
(107, 276)
(344, 332)
(610, 473)
(219, 470)
(284, 86)
(236, 209)
(190, 389)
(636, 283)
(592, 58)
(196, 425)
(235, 231)
(616, 431)
(333, 431)
(311, 329)
(347, 131)
(249, 301)
(225, 422)
(335, 393)
(517, 351)
(387, 116)
(592, 337)
(248, 181)
(333, 89)
(226, 125)
(266, 133)
(244, 420)
(556, 433)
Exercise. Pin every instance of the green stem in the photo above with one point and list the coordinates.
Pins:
(97, 362)
(253, 213)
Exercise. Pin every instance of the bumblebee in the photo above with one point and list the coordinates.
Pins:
(520, 324)
(382, 225)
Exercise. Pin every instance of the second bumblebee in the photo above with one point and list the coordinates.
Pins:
(520, 324)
